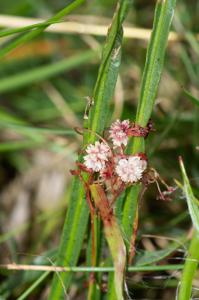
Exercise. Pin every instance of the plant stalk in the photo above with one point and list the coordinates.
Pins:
(189, 270)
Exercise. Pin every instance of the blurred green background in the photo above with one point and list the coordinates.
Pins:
(39, 109)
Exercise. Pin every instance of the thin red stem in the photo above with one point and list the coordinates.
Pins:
(133, 239)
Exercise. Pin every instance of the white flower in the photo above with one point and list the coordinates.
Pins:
(130, 169)
(118, 132)
(96, 157)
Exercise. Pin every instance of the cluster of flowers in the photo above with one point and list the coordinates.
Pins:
(109, 159)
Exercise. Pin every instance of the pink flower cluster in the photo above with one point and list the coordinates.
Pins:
(100, 156)
(119, 132)
(131, 169)
(97, 156)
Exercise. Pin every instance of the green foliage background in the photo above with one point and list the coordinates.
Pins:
(31, 123)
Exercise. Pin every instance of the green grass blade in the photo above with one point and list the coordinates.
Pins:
(26, 277)
(41, 73)
(151, 257)
(108, 71)
(72, 237)
(33, 286)
(190, 267)
(6, 117)
(19, 145)
(70, 6)
(154, 59)
(193, 99)
(192, 202)
(78, 212)
(30, 129)
(149, 86)
(35, 137)
(8, 32)
(192, 259)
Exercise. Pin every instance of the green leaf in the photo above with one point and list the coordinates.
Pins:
(78, 212)
(190, 267)
(48, 71)
(19, 145)
(70, 6)
(22, 278)
(192, 259)
(6, 117)
(4, 33)
(193, 99)
(149, 86)
(149, 257)
(151, 76)
(30, 129)
(108, 71)
(192, 202)
(154, 59)
(29, 290)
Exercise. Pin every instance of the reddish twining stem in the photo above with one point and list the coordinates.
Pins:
(113, 235)
(133, 239)
(139, 131)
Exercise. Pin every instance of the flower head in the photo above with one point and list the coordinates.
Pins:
(118, 132)
(96, 157)
(131, 169)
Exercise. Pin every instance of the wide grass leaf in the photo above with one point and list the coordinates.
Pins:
(151, 76)
(78, 211)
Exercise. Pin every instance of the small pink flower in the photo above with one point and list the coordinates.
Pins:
(131, 169)
(118, 132)
(96, 157)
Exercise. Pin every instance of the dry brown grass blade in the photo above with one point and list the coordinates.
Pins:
(72, 27)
